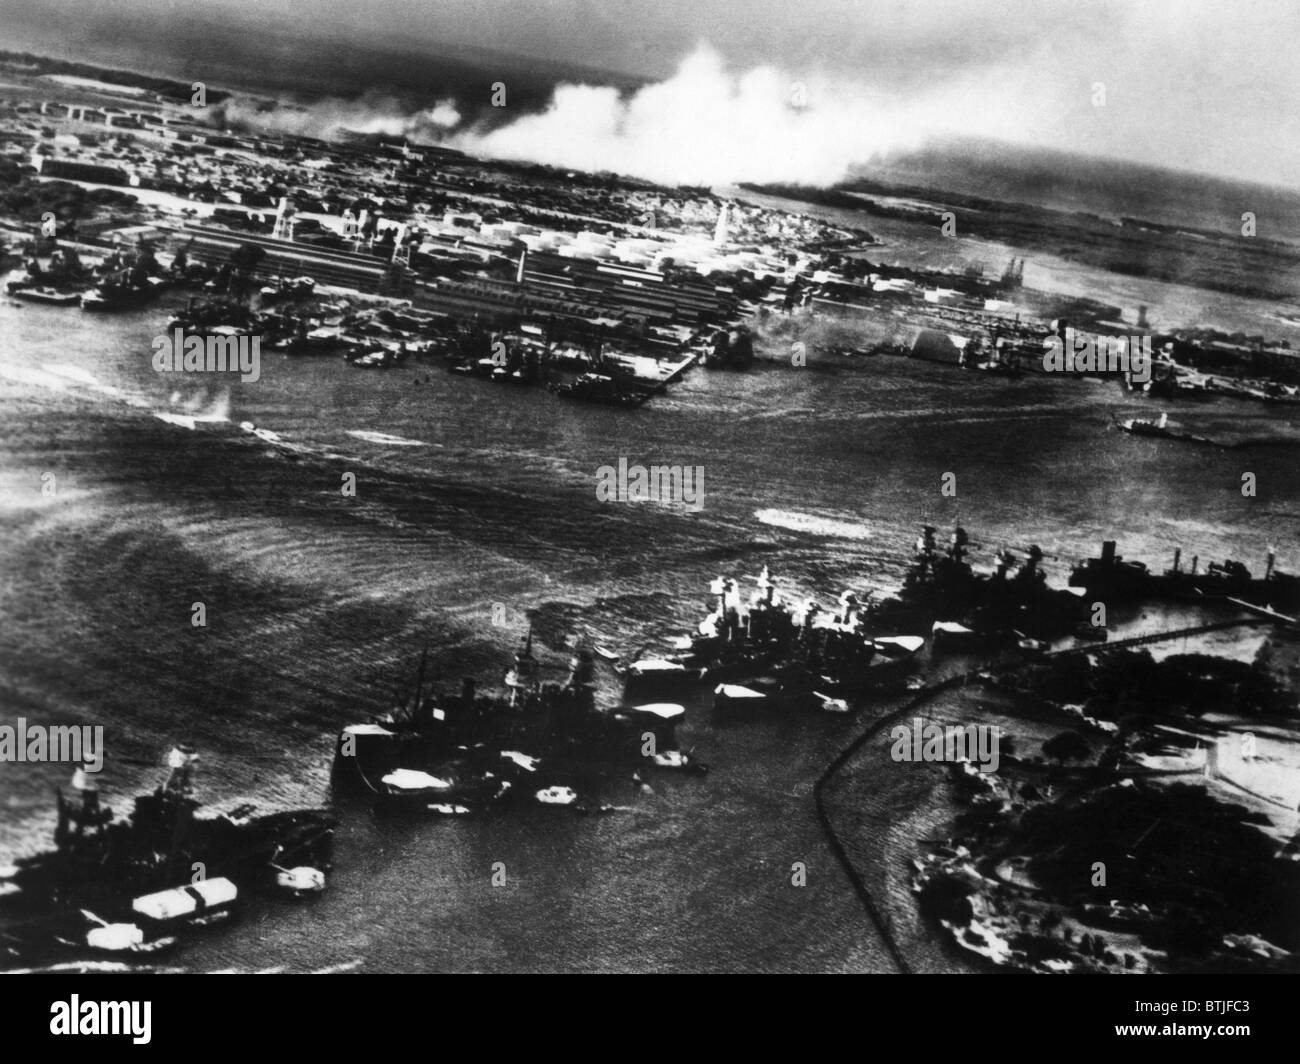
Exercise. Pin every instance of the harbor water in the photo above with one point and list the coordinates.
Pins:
(127, 496)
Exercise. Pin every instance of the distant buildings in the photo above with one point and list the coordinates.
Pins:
(73, 170)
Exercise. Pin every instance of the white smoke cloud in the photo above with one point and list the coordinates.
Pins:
(706, 125)
(326, 119)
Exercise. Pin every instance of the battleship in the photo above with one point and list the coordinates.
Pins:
(943, 594)
(57, 283)
(128, 280)
(455, 754)
(771, 653)
(136, 884)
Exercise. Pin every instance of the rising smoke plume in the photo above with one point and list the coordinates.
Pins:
(705, 125)
(327, 119)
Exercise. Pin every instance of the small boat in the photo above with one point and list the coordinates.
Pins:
(410, 783)
(114, 938)
(599, 388)
(483, 367)
(831, 705)
(111, 295)
(448, 809)
(45, 294)
(952, 635)
(405, 789)
(737, 700)
(898, 646)
(123, 938)
(300, 880)
(557, 796)
(671, 759)
(656, 673)
(1160, 429)
(523, 761)
(667, 712)
(324, 340)
(376, 358)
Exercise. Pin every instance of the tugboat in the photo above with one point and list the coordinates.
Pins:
(160, 872)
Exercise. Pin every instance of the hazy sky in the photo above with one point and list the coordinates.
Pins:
(1192, 84)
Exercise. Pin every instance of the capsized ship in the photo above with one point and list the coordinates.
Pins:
(132, 884)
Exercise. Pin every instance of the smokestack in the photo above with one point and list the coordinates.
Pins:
(1272, 557)
(1108, 552)
(581, 668)
(1178, 554)
(1196, 558)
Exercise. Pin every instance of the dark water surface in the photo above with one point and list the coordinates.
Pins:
(318, 606)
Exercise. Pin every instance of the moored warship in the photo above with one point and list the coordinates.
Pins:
(454, 754)
(771, 653)
(133, 884)
(1110, 577)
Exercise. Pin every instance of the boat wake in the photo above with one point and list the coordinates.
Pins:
(820, 526)
(385, 438)
(185, 421)
(82, 377)
(88, 967)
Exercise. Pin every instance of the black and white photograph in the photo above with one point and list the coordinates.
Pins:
(627, 487)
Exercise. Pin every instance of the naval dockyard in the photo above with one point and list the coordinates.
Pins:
(1121, 729)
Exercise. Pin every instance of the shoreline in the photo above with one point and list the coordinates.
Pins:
(917, 878)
